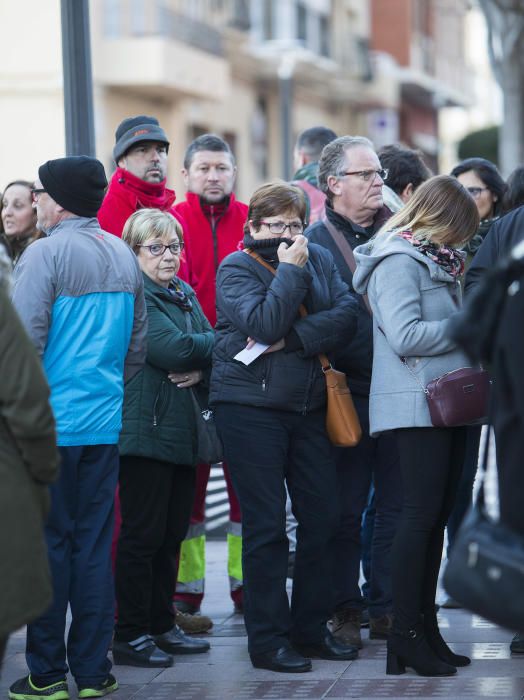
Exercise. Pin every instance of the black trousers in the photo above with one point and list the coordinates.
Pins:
(372, 461)
(265, 449)
(156, 499)
(431, 462)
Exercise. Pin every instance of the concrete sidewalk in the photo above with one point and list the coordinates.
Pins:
(226, 672)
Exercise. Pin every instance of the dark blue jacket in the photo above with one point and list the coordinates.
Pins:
(502, 237)
(355, 358)
(252, 302)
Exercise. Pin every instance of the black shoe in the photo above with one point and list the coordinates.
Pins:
(410, 648)
(439, 646)
(140, 652)
(284, 660)
(517, 644)
(176, 642)
(329, 647)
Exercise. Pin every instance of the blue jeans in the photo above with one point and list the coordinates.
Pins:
(366, 539)
(373, 460)
(78, 533)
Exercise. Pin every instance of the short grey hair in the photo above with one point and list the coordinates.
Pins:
(150, 223)
(333, 158)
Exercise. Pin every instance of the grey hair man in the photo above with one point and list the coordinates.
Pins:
(351, 176)
(79, 294)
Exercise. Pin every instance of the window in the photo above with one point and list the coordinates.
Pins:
(301, 22)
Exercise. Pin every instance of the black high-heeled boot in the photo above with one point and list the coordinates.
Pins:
(437, 643)
(410, 648)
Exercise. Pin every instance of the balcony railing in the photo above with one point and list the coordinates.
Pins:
(198, 23)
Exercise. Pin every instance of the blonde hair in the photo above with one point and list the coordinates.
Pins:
(150, 223)
(441, 211)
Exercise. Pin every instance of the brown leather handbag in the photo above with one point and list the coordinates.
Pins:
(342, 423)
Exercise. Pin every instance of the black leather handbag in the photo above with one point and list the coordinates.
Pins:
(485, 572)
(210, 450)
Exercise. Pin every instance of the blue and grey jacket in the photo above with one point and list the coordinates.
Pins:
(79, 293)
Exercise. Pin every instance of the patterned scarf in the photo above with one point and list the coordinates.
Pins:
(450, 259)
(179, 296)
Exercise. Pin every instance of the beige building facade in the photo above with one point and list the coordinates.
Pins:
(201, 65)
(198, 65)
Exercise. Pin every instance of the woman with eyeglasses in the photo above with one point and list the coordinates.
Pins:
(158, 449)
(270, 414)
(484, 183)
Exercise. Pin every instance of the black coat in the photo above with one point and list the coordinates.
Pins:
(356, 358)
(252, 302)
(502, 237)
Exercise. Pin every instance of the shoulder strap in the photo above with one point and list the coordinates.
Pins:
(346, 252)
(326, 364)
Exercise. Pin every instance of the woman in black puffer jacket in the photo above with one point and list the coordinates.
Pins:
(271, 417)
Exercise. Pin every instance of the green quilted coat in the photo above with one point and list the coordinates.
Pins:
(158, 419)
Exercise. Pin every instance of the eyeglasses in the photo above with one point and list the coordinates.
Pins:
(279, 227)
(475, 192)
(158, 249)
(367, 175)
(35, 191)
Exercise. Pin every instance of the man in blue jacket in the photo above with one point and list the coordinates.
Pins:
(79, 294)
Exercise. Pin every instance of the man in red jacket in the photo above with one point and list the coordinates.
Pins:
(139, 181)
(214, 222)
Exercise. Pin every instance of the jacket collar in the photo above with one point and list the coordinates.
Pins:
(154, 194)
(349, 227)
(196, 202)
(73, 223)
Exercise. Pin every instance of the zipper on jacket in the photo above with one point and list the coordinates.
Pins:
(214, 226)
(308, 390)
(264, 384)
(156, 407)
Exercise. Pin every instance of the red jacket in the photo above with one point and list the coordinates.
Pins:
(208, 241)
(126, 194)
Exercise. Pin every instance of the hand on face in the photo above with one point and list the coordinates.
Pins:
(296, 254)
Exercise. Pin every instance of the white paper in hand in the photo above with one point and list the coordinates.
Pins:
(249, 355)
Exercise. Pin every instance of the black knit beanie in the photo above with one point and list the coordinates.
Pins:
(136, 129)
(76, 183)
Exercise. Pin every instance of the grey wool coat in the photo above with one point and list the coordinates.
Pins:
(28, 462)
(412, 299)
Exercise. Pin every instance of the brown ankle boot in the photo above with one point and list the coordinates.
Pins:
(345, 626)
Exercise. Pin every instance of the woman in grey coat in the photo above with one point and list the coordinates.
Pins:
(410, 272)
